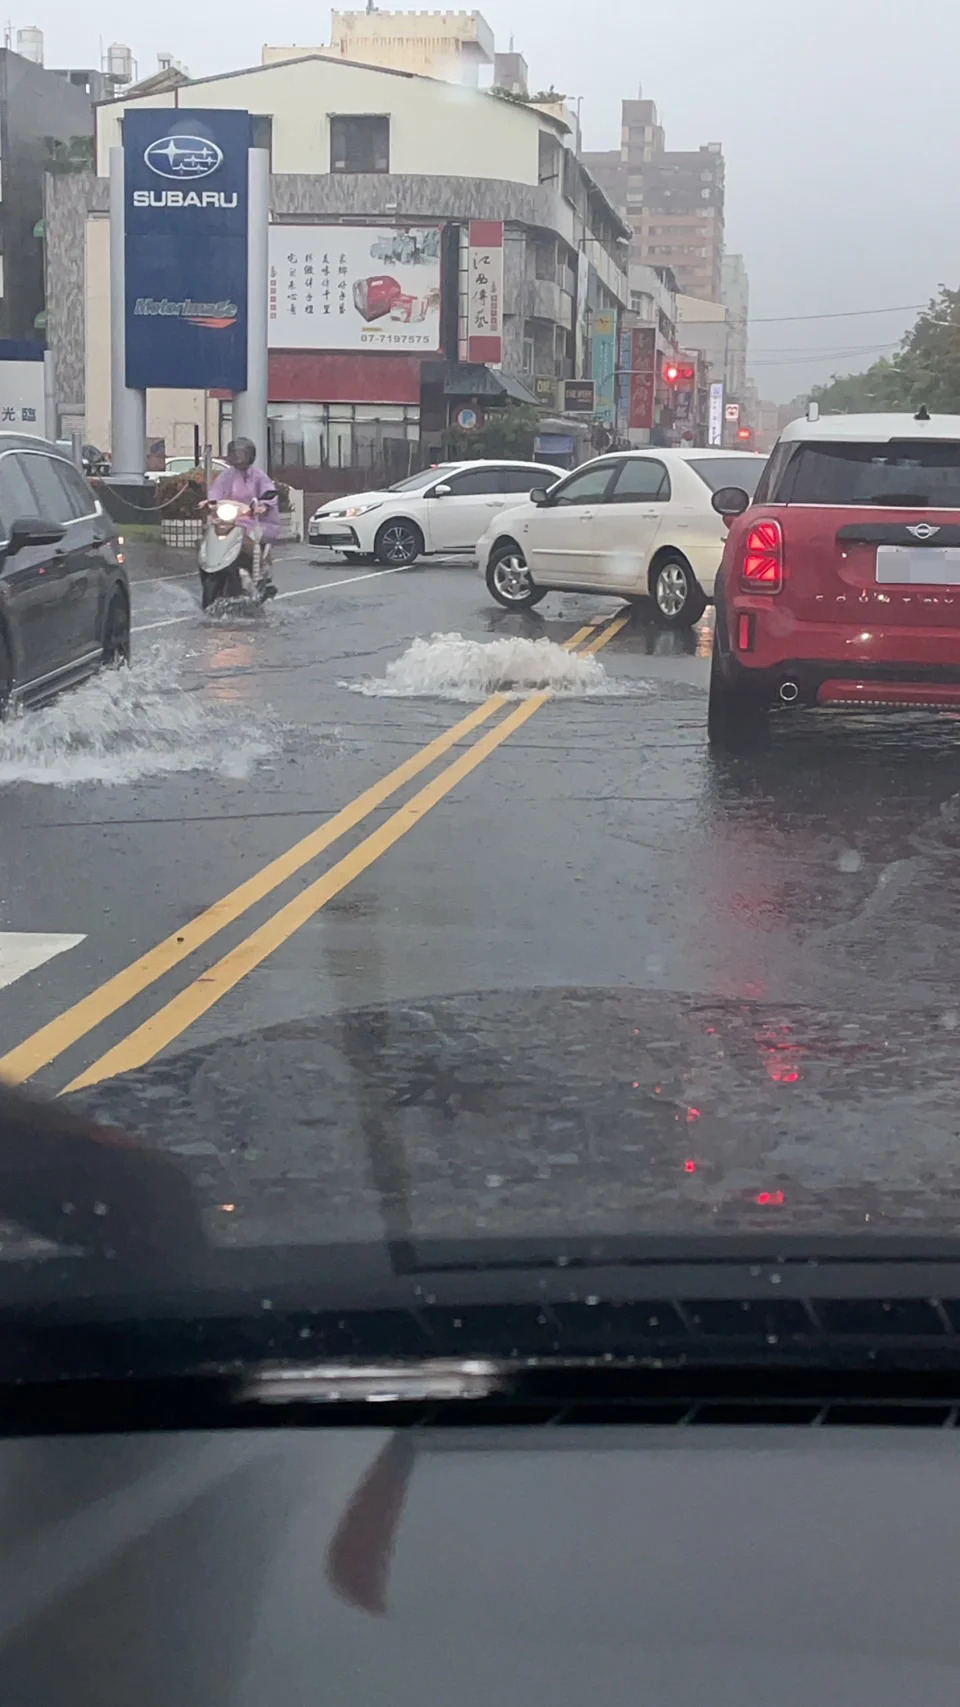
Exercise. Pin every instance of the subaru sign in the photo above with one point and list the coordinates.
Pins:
(185, 213)
(180, 157)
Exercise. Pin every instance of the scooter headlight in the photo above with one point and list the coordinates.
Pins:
(228, 511)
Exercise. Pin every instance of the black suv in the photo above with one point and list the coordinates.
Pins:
(64, 594)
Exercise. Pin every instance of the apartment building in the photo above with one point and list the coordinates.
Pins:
(672, 200)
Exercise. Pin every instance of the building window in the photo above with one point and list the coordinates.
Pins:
(360, 142)
(383, 437)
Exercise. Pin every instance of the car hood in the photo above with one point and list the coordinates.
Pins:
(540, 1111)
(350, 498)
(730, 1566)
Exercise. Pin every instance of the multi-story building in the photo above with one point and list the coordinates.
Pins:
(736, 300)
(46, 123)
(673, 201)
(365, 162)
(449, 45)
(679, 220)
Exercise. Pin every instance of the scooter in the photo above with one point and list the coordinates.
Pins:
(222, 541)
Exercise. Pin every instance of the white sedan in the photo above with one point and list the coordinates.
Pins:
(443, 509)
(634, 523)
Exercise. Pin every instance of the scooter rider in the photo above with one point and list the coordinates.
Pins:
(245, 483)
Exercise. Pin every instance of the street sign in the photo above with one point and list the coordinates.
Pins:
(578, 396)
(715, 427)
(732, 412)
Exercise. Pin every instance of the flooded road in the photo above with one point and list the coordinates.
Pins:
(391, 906)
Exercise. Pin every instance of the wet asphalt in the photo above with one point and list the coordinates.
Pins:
(608, 983)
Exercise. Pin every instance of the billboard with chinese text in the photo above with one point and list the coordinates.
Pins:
(354, 287)
(21, 388)
(185, 247)
(484, 305)
(643, 375)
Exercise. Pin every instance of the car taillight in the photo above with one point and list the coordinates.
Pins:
(762, 568)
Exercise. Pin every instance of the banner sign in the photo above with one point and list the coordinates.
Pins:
(485, 291)
(355, 287)
(604, 364)
(715, 420)
(185, 225)
(583, 309)
(643, 376)
(623, 394)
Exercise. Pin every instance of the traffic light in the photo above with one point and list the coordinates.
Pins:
(677, 373)
(745, 434)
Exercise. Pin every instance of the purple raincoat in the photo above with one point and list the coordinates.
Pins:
(247, 486)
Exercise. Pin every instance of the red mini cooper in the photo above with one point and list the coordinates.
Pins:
(840, 582)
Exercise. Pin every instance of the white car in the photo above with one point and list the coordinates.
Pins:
(186, 465)
(634, 523)
(443, 509)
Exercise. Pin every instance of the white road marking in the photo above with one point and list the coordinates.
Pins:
(296, 593)
(24, 951)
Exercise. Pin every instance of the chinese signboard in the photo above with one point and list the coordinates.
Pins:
(643, 376)
(578, 396)
(185, 245)
(732, 412)
(484, 286)
(604, 364)
(354, 287)
(715, 424)
(21, 396)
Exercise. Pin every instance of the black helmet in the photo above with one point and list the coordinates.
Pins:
(242, 450)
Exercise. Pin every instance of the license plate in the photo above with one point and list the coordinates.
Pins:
(909, 566)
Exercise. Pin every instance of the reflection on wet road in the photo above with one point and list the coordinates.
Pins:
(556, 970)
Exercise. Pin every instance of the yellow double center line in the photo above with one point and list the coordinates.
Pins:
(142, 1044)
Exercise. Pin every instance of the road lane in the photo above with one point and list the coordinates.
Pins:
(603, 958)
(171, 1021)
(253, 656)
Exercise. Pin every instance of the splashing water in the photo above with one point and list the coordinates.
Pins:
(125, 725)
(449, 667)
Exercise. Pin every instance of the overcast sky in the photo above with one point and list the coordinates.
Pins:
(840, 121)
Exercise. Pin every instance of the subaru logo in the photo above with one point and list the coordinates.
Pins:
(923, 530)
(183, 157)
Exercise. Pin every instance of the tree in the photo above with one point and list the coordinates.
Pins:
(926, 369)
(507, 431)
(77, 155)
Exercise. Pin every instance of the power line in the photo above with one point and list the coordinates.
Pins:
(822, 349)
(846, 314)
(817, 356)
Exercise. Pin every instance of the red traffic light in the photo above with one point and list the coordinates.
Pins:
(671, 373)
(745, 433)
(676, 373)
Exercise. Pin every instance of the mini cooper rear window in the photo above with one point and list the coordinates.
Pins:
(903, 473)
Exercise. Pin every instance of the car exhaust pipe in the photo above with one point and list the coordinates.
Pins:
(789, 693)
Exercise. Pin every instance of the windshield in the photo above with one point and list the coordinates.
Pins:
(899, 474)
(720, 471)
(480, 843)
(416, 482)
